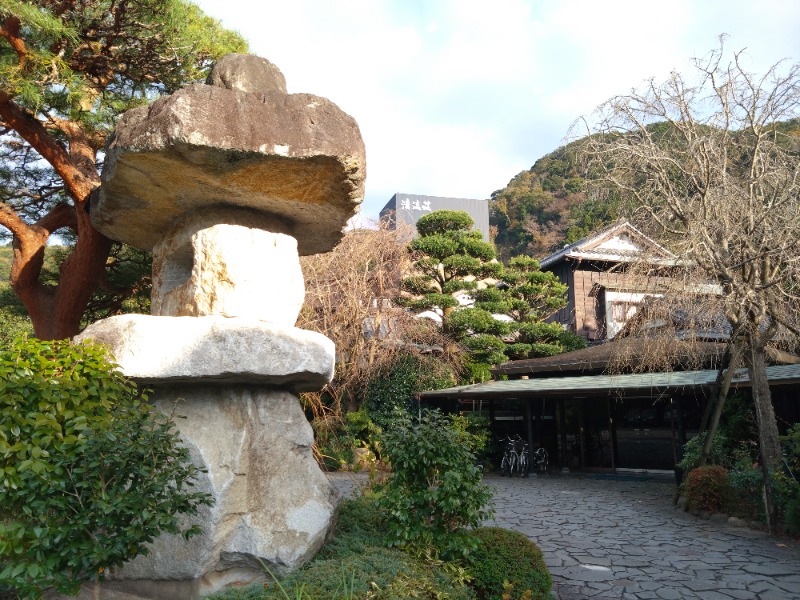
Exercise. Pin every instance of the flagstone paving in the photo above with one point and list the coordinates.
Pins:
(623, 538)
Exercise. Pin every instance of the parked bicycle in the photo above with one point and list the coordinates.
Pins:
(541, 461)
(515, 457)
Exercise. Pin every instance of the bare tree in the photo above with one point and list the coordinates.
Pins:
(708, 164)
(349, 294)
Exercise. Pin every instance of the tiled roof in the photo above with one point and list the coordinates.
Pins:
(598, 357)
(586, 248)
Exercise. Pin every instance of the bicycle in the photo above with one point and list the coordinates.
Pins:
(540, 460)
(515, 458)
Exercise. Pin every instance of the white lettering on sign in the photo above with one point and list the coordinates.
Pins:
(424, 206)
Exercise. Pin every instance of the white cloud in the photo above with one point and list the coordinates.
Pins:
(455, 97)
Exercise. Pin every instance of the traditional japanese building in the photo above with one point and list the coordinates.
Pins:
(604, 407)
(602, 297)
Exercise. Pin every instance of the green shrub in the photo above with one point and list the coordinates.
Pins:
(746, 480)
(435, 490)
(504, 555)
(787, 481)
(89, 472)
(694, 448)
(706, 488)
(354, 564)
(393, 386)
(337, 440)
(359, 528)
(475, 431)
(379, 573)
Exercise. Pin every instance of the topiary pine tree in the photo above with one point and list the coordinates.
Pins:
(450, 258)
(447, 254)
(529, 295)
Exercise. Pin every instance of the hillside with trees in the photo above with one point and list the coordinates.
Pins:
(548, 205)
(556, 201)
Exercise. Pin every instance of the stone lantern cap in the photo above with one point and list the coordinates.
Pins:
(239, 141)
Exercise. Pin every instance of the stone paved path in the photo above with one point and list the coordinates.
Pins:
(606, 538)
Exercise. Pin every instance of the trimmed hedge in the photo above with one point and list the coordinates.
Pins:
(706, 488)
(505, 555)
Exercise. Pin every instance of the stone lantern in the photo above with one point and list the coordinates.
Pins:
(227, 183)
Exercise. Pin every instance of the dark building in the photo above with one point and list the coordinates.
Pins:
(408, 208)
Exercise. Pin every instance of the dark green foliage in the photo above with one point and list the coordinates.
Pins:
(378, 573)
(475, 431)
(336, 447)
(467, 321)
(591, 215)
(444, 221)
(393, 386)
(787, 481)
(706, 488)
(360, 527)
(89, 472)
(547, 339)
(447, 253)
(504, 555)
(693, 449)
(485, 349)
(435, 489)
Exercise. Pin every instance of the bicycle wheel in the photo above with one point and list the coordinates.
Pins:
(514, 464)
(523, 464)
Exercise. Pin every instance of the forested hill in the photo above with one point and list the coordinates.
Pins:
(547, 206)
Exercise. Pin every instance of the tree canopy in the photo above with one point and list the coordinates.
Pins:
(67, 71)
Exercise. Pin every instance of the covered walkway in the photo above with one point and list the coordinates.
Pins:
(608, 422)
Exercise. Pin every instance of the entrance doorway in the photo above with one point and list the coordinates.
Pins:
(588, 433)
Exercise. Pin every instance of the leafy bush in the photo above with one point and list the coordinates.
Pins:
(444, 221)
(746, 481)
(475, 431)
(89, 472)
(505, 555)
(380, 573)
(434, 491)
(706, 488)
(393, 387)
(693, 449)
(787, 481)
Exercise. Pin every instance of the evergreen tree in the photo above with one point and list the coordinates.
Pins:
(450, 258)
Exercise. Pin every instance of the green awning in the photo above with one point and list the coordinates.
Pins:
(652, 383)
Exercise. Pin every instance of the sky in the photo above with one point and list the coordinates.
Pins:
(455, 97)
